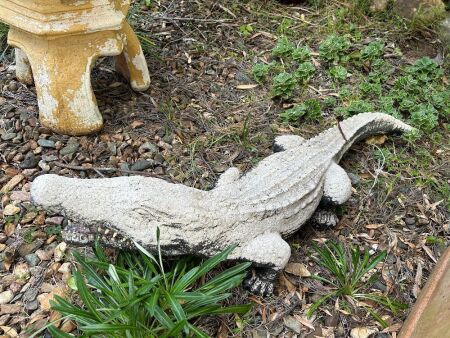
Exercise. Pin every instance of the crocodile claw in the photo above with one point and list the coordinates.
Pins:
(261, 283)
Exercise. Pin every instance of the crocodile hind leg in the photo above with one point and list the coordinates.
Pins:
(270, 253)
(336, 191)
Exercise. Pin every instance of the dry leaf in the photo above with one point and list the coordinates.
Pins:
(374, 226)
(297, 269)
(362, 332)
(12, 183)
(305, 321)
(9, 229)
(246, 86)
(284, 282)
(429, 253)
(137, 124)
(393, 328)
(9, 331)
(377, 139)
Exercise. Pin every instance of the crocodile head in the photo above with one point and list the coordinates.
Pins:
(88, 234)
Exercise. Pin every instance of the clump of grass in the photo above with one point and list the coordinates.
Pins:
(350, 275)
(140, 297)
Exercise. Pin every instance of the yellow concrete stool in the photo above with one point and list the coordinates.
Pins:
(57, 43)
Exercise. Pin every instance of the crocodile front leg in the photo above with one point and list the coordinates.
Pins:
(270, 253)
(336, 191)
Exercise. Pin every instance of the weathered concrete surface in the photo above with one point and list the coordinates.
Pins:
(430, 316)
(252, 211)
(57, 43)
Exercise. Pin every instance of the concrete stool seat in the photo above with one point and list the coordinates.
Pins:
(57, 43)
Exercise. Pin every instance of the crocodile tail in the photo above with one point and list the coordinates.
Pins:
(362, 126)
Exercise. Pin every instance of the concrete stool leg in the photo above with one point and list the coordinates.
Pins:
(131, 63)
(61, 69)
(23, 68)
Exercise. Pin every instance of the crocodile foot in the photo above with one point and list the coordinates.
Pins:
(262, 282)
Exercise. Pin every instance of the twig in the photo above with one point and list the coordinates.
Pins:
(340, 129)
(167, 18)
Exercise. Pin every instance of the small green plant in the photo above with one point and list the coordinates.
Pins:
(28, 236)
(283, 85)
(310, 109)
(425, 70)
(349, 274)
(304, 71)
(372, 51)
(140, 296)
(433, 240)
(283, 48)
(260, 71)
(356, 107)
(334, 48)
(371, 89)
(302, 54)
(338, 73)
(246, 30)
(284, 27)
(425, 117)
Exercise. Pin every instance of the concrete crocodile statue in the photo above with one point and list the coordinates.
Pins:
(255, 210)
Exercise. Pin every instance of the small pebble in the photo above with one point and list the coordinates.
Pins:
(32, 259)
(46, 143)
(6, 297)
(142, 165)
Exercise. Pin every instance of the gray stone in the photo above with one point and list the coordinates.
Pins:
(8, 136)
(276, 330)
(142, 165)
(71, 147)
(253, 211)
(148, 147)
(32, 259)
(260, 333)
(159, 159)
(49, 158)
(356, 180)
(292, 324)
(379, 286)
(33, 305)
(46, 143)
(410, 221)
(30, 161)
(125, 166)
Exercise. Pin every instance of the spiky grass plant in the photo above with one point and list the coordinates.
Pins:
(136, 297)
(351, 275)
